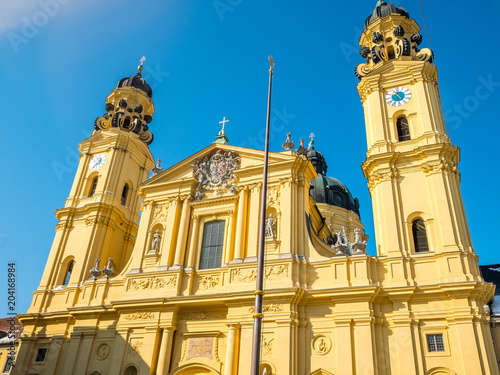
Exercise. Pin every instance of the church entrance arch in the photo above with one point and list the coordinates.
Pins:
(440, 371)
(195, 369)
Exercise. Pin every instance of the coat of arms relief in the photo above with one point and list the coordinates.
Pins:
(216, 173)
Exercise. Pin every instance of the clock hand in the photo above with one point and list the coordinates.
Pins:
(398, 96)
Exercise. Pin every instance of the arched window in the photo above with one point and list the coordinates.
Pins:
(69, 269)
(213, 245)
(124, 194)
(130, 370)
(93, 186)
(419, 236)
(403, 129)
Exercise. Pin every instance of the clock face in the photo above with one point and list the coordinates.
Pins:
(398, 96)
(97, 162)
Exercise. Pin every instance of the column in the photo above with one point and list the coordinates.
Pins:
(165, 351)
(117, 351)
(148, 350)
(168, 235)
(229, 242)
(231, 349)
(23, 357)
(253, 222)
(83, 355)
(71, 352)
(193, 246)
(344, 347)
(181, 238)
(366, 360)
(53, 354)
(240, 228)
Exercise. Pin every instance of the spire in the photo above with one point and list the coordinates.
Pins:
(311, 142)
(316, 158)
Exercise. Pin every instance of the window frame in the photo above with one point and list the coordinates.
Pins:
(93, 186)
(400, 117)
(414, 238)
(44, 358)
(223, 225)
(125, 194)
(435, 330)
(5, 364)
(69, 269)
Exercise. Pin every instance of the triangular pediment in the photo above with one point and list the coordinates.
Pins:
(250, 165)
(321, 372)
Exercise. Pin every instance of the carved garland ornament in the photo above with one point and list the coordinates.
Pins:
(267, 346)
(139, 316)
(160, 213)
(135, 347)
(209, 282)
(267, 308)
(152, 283)
(249, 275)
(216, 173)
(203, 315)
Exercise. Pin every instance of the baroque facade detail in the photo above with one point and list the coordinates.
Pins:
(250, 275)
(152, 283)
(216, 173)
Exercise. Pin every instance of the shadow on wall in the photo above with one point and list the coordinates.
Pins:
(98, 351)
(84, 351)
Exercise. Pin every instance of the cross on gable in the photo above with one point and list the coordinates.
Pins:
(223, 122)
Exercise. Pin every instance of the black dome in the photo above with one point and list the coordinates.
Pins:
(326, 189)
(331, 191)
(138, 82)
(383, 10)
(317, 159)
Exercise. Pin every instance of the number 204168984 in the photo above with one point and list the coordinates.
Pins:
(11, 286)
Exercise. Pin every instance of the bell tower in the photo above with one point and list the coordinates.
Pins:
(101, 215)
(411, 165)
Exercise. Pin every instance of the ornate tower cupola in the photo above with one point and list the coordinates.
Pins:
(129, 107)
(390, 34)
(411, 165)
(100, 219)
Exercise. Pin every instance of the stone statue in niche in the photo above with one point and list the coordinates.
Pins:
(155, 244)
(271, 227)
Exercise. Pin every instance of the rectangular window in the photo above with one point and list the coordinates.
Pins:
(40, 356)
(7, 366)
(435, 343)
(213, 245)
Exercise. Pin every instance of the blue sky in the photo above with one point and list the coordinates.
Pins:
(206, 60)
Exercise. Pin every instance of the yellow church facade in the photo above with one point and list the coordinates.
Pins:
(173, 292)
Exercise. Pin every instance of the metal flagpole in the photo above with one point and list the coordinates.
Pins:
(257, 323)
